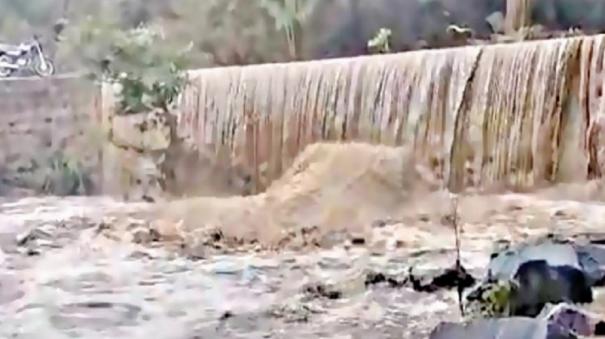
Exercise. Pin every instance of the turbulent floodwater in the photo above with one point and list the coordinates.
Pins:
(62, 277)
(72, 282)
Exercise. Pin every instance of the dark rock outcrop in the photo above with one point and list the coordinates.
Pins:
(505, 328)
(434, 280)
(539, 284)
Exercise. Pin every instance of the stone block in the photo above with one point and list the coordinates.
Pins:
(148, 131)
(142, 176)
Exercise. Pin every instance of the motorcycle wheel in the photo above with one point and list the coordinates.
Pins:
(48, 71)
(5, 72)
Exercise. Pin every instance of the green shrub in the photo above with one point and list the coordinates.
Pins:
(148, 70)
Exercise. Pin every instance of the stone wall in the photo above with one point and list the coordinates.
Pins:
(145, 159)
(46, 124)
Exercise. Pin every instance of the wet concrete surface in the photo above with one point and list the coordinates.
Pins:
(61, 277)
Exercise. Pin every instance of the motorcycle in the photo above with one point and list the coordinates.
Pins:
(25, 56)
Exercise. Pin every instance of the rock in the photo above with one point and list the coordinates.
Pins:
(226, 315)
(540, 284)
(599, 329)
(29, 236)
(145, 235)
(535, 286)
(293, 312)
(433, 280)
(33, 241)
(566, 317)
(358, 241)
(504, 328)
(142, 176)
(592, 261)
(559, 321)
(504, 265)
(589, 258)
(535, 275)
(374, 278)
(147, 131)
(321, 291)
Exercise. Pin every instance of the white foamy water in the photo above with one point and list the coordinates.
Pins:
(84, 284)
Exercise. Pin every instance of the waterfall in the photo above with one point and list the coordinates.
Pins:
(518, 115)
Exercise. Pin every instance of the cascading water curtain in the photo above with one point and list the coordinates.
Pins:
(529, 114)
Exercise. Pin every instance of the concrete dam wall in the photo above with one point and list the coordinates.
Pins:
(518, 115)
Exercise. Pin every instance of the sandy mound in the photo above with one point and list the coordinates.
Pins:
(329, 187)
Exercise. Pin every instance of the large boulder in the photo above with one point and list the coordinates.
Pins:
(505, 264)
(587, 257)
(591, 258)
(522, 279)
(556, 321)
(566, 317)
(539, 283)
(505, 328)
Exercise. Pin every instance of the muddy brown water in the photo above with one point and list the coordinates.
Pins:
(67, 280)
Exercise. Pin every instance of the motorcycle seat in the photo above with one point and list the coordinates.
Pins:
(10, 49)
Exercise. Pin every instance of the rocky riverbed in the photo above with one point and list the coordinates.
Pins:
(68, 271)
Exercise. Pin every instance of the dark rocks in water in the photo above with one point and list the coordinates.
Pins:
(560, 321)
(226, 315)
(51, 235)
(435, 280)
(504, 265)
(564, 318)
(535, 284)
(539, 284)
(322, 291)
(358, 241)
(522, 279)
(523, 283)
(33, 235)
(503, 328)
(592, 260)
(589, 258)
(599, 329)
(374, 278)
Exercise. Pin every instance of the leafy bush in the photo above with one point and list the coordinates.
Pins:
(381, 42)
(149, 71)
